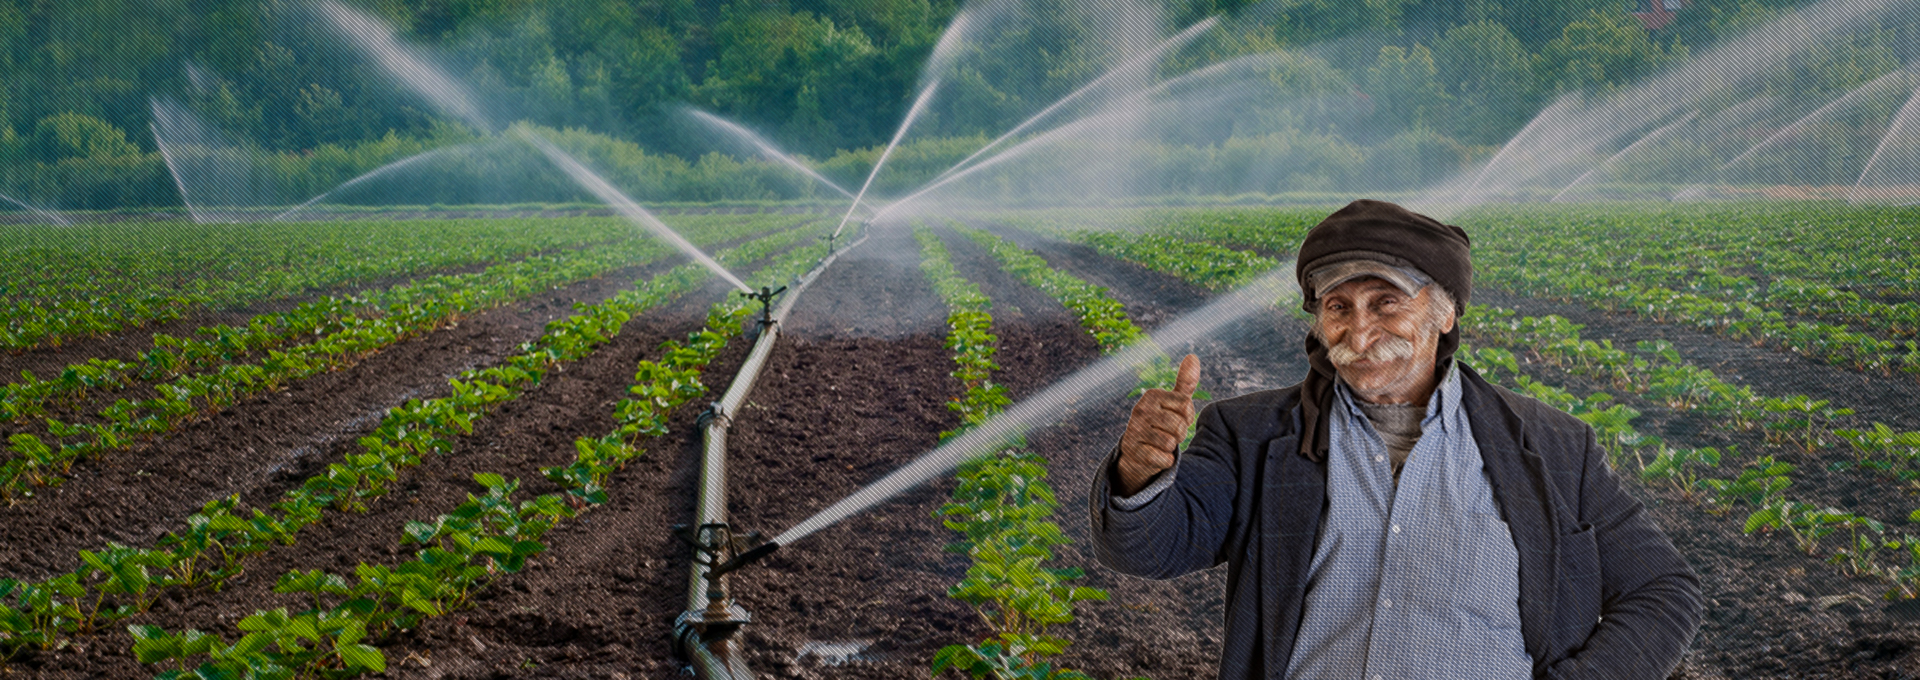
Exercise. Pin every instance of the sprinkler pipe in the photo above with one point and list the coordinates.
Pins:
(705, 633)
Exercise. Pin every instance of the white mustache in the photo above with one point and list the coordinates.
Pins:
(1386, 349)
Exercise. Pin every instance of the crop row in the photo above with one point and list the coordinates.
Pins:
(214, 345)
(1731, 316)
(1863, 248)
(217, 540)
(1272, 231)
(417, 308)
(1663, 377)
(1681, 265)
(170, 357)
(93, 279)
(464, 550)
(1001, 508)
(1203, 264)
(1096, 311)
(125, 422)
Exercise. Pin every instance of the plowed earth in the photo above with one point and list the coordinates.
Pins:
(857, 387)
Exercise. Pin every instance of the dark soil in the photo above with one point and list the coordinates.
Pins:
(1772, 610)
(127, 343)
(262, 445)
(857, 388)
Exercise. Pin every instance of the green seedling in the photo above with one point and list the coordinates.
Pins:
(1760, 483)
(1681, 467)
(1801, 418)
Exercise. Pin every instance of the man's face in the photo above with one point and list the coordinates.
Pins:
(1380, 340)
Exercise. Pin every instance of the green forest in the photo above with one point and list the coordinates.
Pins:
(1445, 80)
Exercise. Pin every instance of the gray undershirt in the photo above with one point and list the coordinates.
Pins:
(1399, 428)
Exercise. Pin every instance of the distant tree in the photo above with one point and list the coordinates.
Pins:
(1835, 66)
(791, 70)
(323, 118)
(1493, 79)
(1603, 52)
(73, 135)
(1705, 22)
(1404, 89)
(1302, 22)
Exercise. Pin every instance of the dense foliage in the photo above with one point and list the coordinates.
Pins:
(1365, 86)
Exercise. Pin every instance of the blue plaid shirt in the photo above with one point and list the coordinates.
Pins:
(1415, 580)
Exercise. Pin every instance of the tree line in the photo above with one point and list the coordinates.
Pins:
(830, 79)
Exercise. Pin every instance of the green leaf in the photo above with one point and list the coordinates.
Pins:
(358, 656)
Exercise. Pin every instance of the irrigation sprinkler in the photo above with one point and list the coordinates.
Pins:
(706, 636)
(705, 633)
(765, 297)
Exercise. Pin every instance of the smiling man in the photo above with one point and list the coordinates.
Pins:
(1394, 515)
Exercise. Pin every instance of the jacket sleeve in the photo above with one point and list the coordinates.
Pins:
(1185, 527)
(1651, 604)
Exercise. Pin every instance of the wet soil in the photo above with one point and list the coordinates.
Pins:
(858, 388)
(261, 445)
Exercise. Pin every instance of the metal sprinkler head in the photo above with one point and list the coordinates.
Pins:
(765, 296)
(721, 617)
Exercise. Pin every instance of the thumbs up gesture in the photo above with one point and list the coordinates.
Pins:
(1159, 422)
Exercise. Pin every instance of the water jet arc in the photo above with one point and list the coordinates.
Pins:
(919, 104)
(1111, 376)
(1168, 45)
(625, 206)
(764, 147)
(376, 172)
(55, 217)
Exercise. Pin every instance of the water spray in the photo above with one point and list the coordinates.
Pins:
(919, 105)
(376, 172)
(1110, 377)
(1131, 65)
(55, 217)
(706, 633)
(376, 38)
(765, 147)
(623, 205)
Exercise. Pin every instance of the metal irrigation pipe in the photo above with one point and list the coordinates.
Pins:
(705, 632)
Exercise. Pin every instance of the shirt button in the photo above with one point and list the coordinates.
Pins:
(1396, 528)
(1379, 459)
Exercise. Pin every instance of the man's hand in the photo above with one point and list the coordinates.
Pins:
(1154, 432)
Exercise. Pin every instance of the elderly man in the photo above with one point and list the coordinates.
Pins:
(1394, 515)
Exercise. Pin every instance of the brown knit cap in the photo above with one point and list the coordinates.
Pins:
(1386, 232)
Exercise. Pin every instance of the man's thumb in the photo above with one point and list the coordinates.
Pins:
(1189, 376)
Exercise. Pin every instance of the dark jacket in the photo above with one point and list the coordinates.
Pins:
(1603, 593)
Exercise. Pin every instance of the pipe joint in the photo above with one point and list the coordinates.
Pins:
(715, 413)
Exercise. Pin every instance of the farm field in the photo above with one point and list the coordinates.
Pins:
(340, 420)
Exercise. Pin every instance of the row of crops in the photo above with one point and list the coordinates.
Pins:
(1768, 467)
(60, 284)
(460, 552)
(1833, 284)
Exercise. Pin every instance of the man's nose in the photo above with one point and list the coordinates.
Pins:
(1365, 330)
